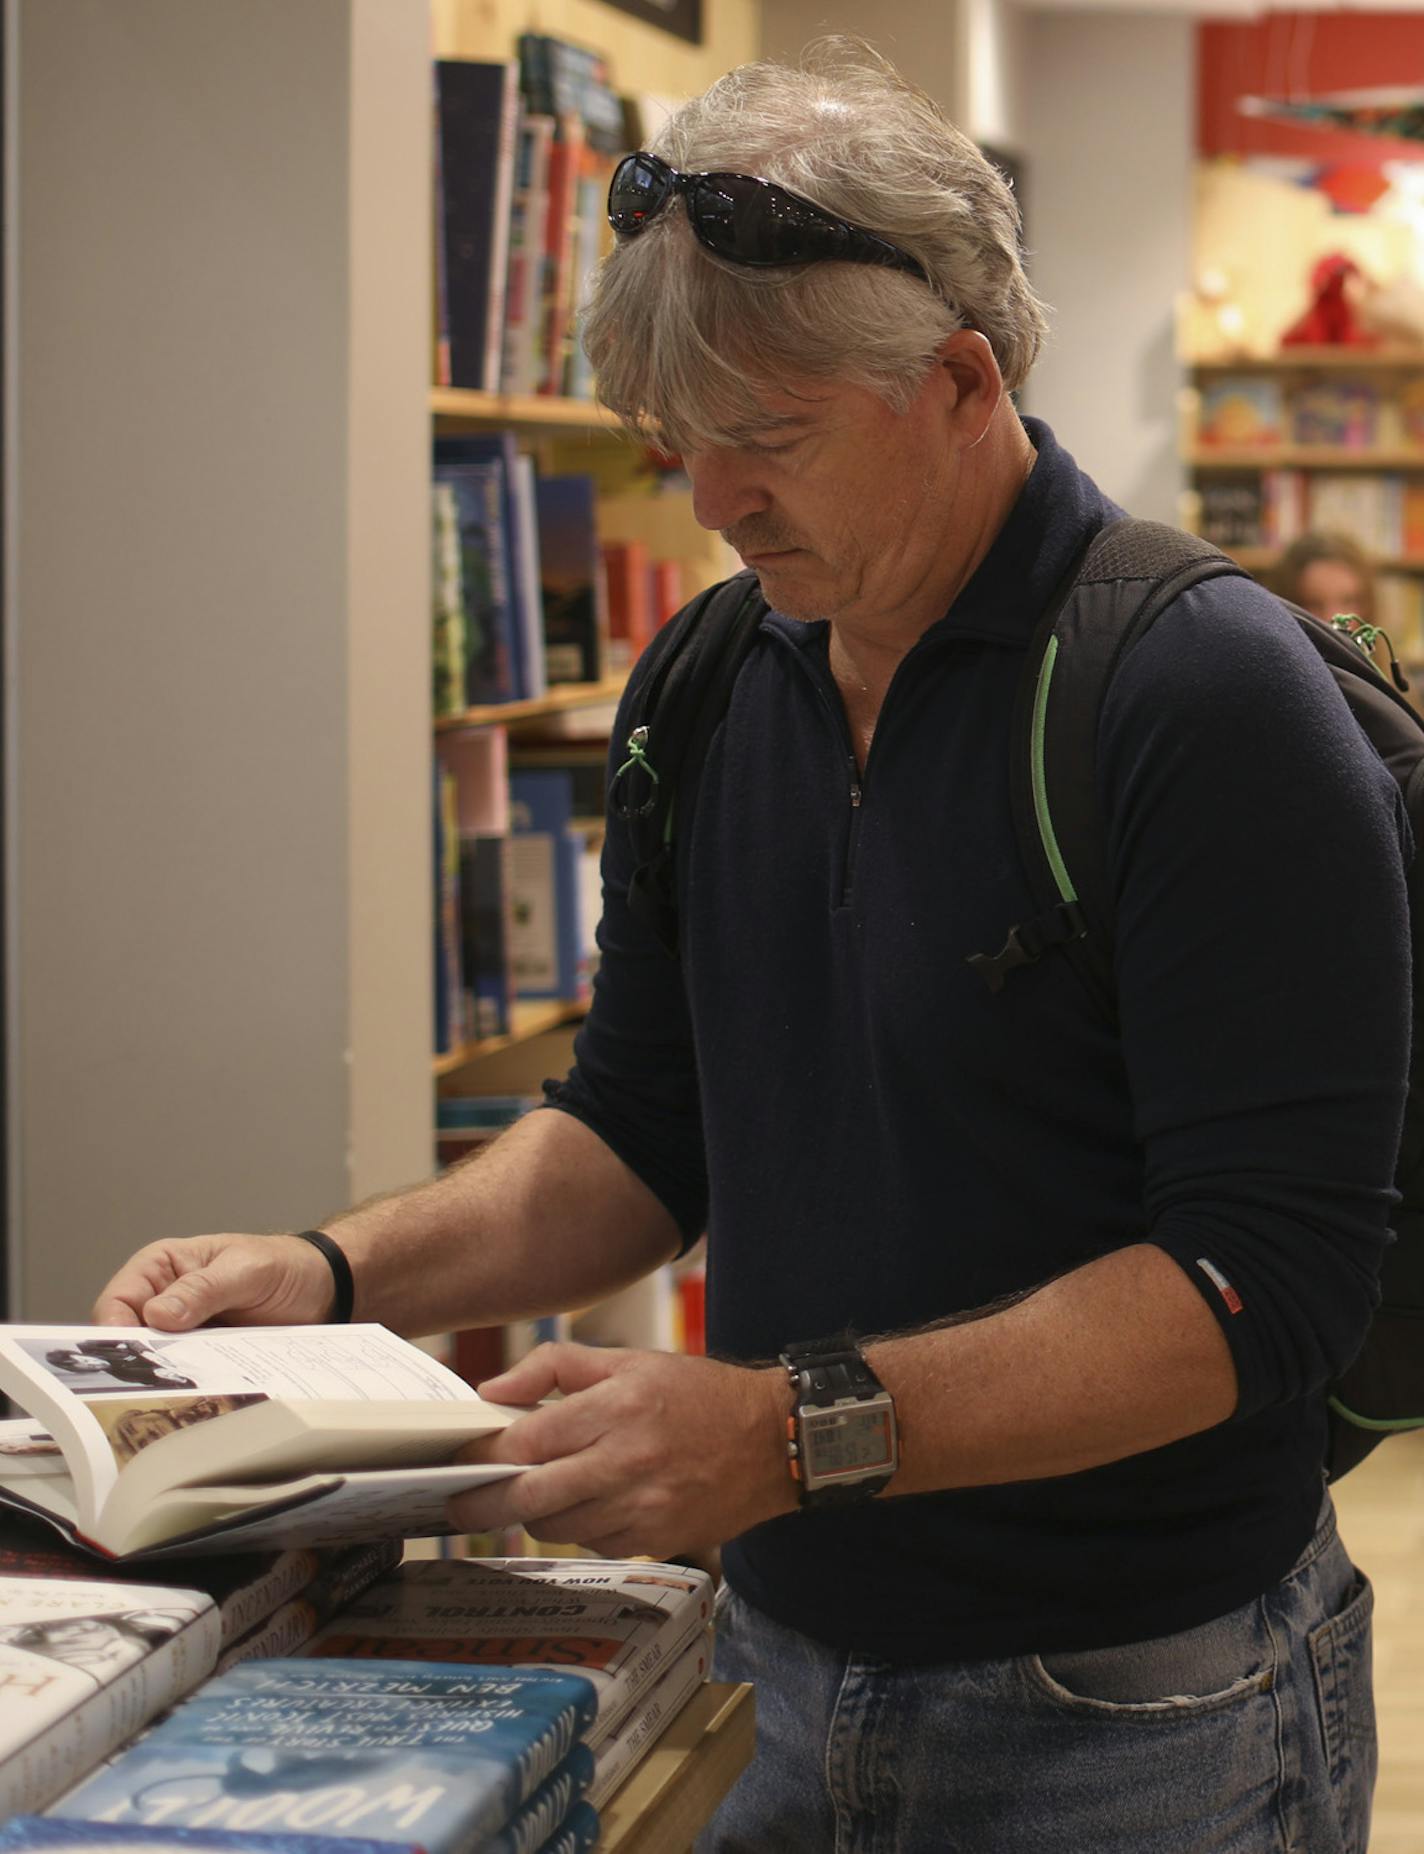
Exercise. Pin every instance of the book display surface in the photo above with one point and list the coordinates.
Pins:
(232, 1438)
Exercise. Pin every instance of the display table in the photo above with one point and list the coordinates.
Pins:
(674, 1792)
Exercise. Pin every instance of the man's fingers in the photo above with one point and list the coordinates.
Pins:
(149, 1272)
(560, 1365)
(238, 1280)
(524, 1499)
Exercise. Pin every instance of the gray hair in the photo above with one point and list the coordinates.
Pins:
(683, 343)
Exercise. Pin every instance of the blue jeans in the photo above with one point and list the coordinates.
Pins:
(1253, 1734)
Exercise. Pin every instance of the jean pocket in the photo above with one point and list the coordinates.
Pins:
(1196, 1671)
(1340, 1654)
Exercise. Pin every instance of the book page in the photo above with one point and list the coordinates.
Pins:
(316, 1510)
(108, 1391)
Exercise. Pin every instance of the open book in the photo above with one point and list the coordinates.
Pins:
(235, 1438)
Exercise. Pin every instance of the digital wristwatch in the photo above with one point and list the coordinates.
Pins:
(842, 1441)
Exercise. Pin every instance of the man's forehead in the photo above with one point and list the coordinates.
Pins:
(788, 408)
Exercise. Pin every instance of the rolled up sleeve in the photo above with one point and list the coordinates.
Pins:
(1258, 849)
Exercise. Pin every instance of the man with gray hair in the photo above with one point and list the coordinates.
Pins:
(1047, 1562)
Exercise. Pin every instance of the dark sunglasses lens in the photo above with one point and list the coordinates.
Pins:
(752, 222)
(639, 190)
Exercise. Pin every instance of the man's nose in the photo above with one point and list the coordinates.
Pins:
(724, 488)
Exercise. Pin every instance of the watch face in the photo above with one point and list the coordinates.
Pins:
(845, 1444)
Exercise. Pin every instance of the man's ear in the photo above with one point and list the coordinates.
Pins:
(970, 384)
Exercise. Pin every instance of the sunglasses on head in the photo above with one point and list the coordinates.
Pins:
(743, 218)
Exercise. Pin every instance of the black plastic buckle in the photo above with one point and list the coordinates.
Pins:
(1028, 942)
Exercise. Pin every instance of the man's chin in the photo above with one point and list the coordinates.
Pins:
(786, 590)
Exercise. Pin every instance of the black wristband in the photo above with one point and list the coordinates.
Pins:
(345, 1300)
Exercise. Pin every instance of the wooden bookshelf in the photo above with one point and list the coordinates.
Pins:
(1316, 360)
(527, 1020)
(672, 1795)
(459, 405)
(1262, 559)
(1244, 457)
(560, 699)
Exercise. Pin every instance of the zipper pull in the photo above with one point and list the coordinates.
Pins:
(1366, 636)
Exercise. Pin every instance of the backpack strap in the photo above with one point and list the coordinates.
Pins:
(682, 692)
(1129, 573)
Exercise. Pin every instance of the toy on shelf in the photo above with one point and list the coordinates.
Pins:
(1338, 291)
(1394, 313)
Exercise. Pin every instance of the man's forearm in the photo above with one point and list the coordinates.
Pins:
(548, 1218)
(1120, 1356)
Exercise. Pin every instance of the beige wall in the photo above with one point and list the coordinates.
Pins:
(1108, 156)
(218, 827)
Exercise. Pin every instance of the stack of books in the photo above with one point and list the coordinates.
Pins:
(305, 1689)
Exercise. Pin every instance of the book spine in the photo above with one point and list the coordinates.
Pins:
(499, 235)
(619, 1755)
(242, 1609)
(333, 1586)
(530, 1828)
(37, 1766)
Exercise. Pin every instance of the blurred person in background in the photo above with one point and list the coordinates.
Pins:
(1329, 574)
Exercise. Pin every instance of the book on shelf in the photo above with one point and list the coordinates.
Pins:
(623, 1750)
(236, 1438)
(83, 1665)
(524, 291)
(51, 1834)
(547, 894)
(579, 1832)
(1344, 414)
(1367, 508)
(513, 541)
(571, 579)
(453, 1758)
(248, 1589)
(447, 915)
(87, 1658)
(487, 624)
(342, 1573)
(628, 574)
(486, 937)
(557, 77)
(447, 604)
(1242, 410)
(476, 117)
(619, 1623)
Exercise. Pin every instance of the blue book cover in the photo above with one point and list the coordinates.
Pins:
(486, 572)
(47, 1834)
(570, 578)
(500, 449)
(531, 1827)
(405, 1751)
(545, 858)
(578, 1834)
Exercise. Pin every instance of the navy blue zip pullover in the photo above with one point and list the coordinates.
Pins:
(872, 1139)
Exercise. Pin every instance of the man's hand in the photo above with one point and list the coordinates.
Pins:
(646, 1452)
(219, 1280)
